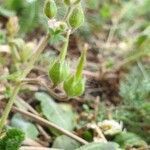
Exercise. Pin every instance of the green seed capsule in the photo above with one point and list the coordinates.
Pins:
(58, 72)
(50, 8)
(74, 86)
(76, 18)
(71, 2)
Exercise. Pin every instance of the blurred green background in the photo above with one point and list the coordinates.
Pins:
(119, 30)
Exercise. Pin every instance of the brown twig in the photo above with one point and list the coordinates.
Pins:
(144, 148)
(44, 133)
(35, 148)
(31, 109)
(50, 91)
(46, 123)
(30, 142)
(100, 133)
(96, 107)
(61, 98)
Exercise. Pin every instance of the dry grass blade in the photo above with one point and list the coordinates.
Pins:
(46, 123)
(35, 148)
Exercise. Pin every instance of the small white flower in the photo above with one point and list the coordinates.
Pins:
(53, 24)
(57, 25)
(110, 127)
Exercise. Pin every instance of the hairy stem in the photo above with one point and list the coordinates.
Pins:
(9, 106)
(65, 47)
(35, 56)
(17, 87)
(68, 13)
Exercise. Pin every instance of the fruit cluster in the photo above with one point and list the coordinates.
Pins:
(73, 84)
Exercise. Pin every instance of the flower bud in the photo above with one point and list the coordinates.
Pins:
(27, 51)
(12, 26)
(16, 45)
(63, 26)
(76, 18)
(50, 8)
(58, 72)
(71, 2)
(74, 86)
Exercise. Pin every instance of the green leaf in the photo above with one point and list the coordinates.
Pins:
(66, 143)
(29, 129)
(127, 139)
(143, 38)
(135, 93)
(141, 47)
(92, 4)
(12, 140)
(55, 113)
(6, 13)
(135, 88)
(55, 37)
(29, 16)
(15, 5)
(100, 146)
(105, 11)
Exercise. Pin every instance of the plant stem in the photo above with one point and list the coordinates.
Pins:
(9, 106)
(35, 56)
(68, 13)
(16, 89)
(65, 48)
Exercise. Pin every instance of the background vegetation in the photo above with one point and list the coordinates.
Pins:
(117, 74)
